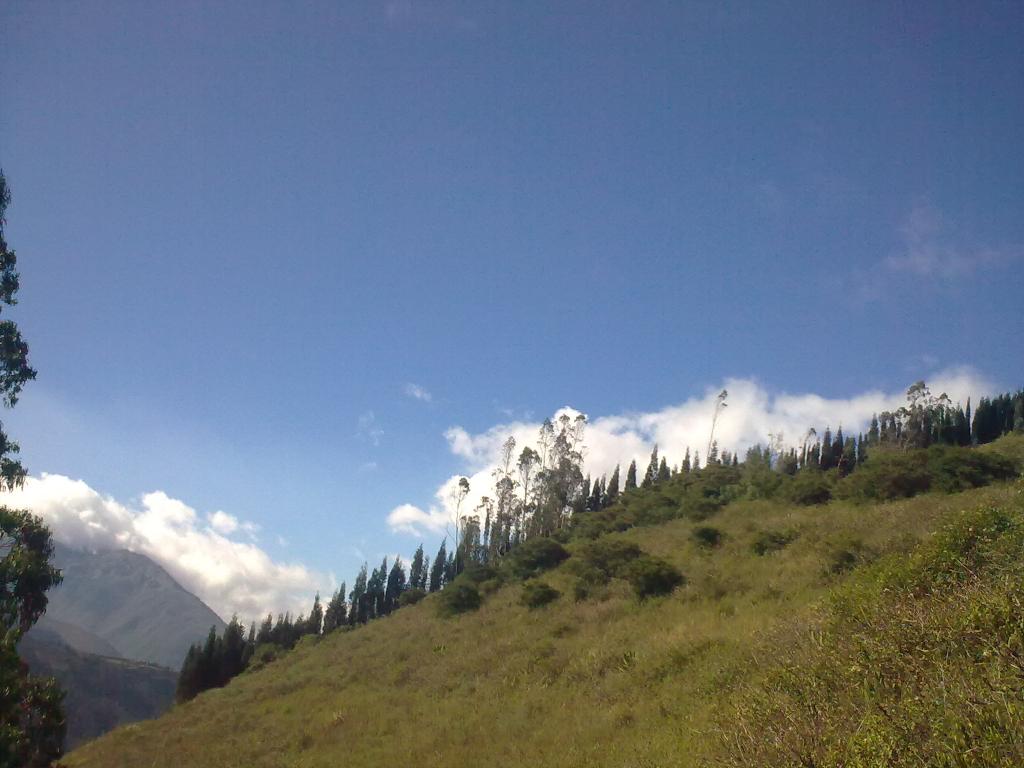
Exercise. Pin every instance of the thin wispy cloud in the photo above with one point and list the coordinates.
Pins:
(368, 428)
(930, 250)
(416, 392)
(753, 414)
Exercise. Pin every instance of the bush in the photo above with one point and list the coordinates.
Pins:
(707, 536)
(479, 573)
(957, 469)
(844, 554)
(651, 576)
(771, 541)
(537, 594)
(534, 556)
(887, 475)
(411, 597)
(606, 558)
(264, 654)
(458, 597)
(809, 487)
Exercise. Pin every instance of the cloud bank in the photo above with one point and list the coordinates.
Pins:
(229, 575)
(752, 414)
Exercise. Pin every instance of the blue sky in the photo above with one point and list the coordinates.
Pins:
(245, 229)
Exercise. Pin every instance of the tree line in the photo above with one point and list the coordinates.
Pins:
(540, 491)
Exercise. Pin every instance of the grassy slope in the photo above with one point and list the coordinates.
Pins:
(610, 682)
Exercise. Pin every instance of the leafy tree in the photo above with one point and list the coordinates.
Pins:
(651, 475)
(232, 652)
(266, 633)
(437, 571)
(611, 491)
(395, 586)
(314, 624)
(663, 471)
(417, 572)
(32, 723)
(631, 475)
(15, 371)
(357, 600)
(335, 615)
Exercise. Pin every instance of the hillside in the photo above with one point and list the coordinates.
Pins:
(50, 630)
(129, 602)
(607, 680)
(102, 692)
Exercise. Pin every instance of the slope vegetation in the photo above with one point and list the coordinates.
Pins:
(595, 677)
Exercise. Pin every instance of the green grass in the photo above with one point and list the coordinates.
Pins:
(605, 681)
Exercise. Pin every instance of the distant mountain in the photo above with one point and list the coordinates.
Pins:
(50, 630)
(102, 692)
(127, 602)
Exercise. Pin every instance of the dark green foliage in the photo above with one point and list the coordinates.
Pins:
(537, 594)
(478, 573)
(32, 722)
(15, 371)
(607, 557)
(411, 596)
(437, 571)
(809, 487)
(766, 542)
(458, 597)
(534, 556)
(707, 536)
(396, 584)
(314, 624)
(612, 490)
(651, 576)
(417, 571)
(337, 612)
(957, 469)
(631, 476)
(651, 475)
(893, 474)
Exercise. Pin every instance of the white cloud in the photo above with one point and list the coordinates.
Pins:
(230, 576)
(928, 251)
(752, 414)
(408, 518)
(368, 428)
(223, 523)
(416, 392)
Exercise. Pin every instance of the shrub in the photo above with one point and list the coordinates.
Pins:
(479, 573)
(843, 555)
(888, 475)
(264, 654)
(707, 536)
(957, 469)
(651, 576)
(458, 597)
(771, 541)
(537, 594)
(809, 487)
(411, 596)
(534, 556)
(607, 557)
